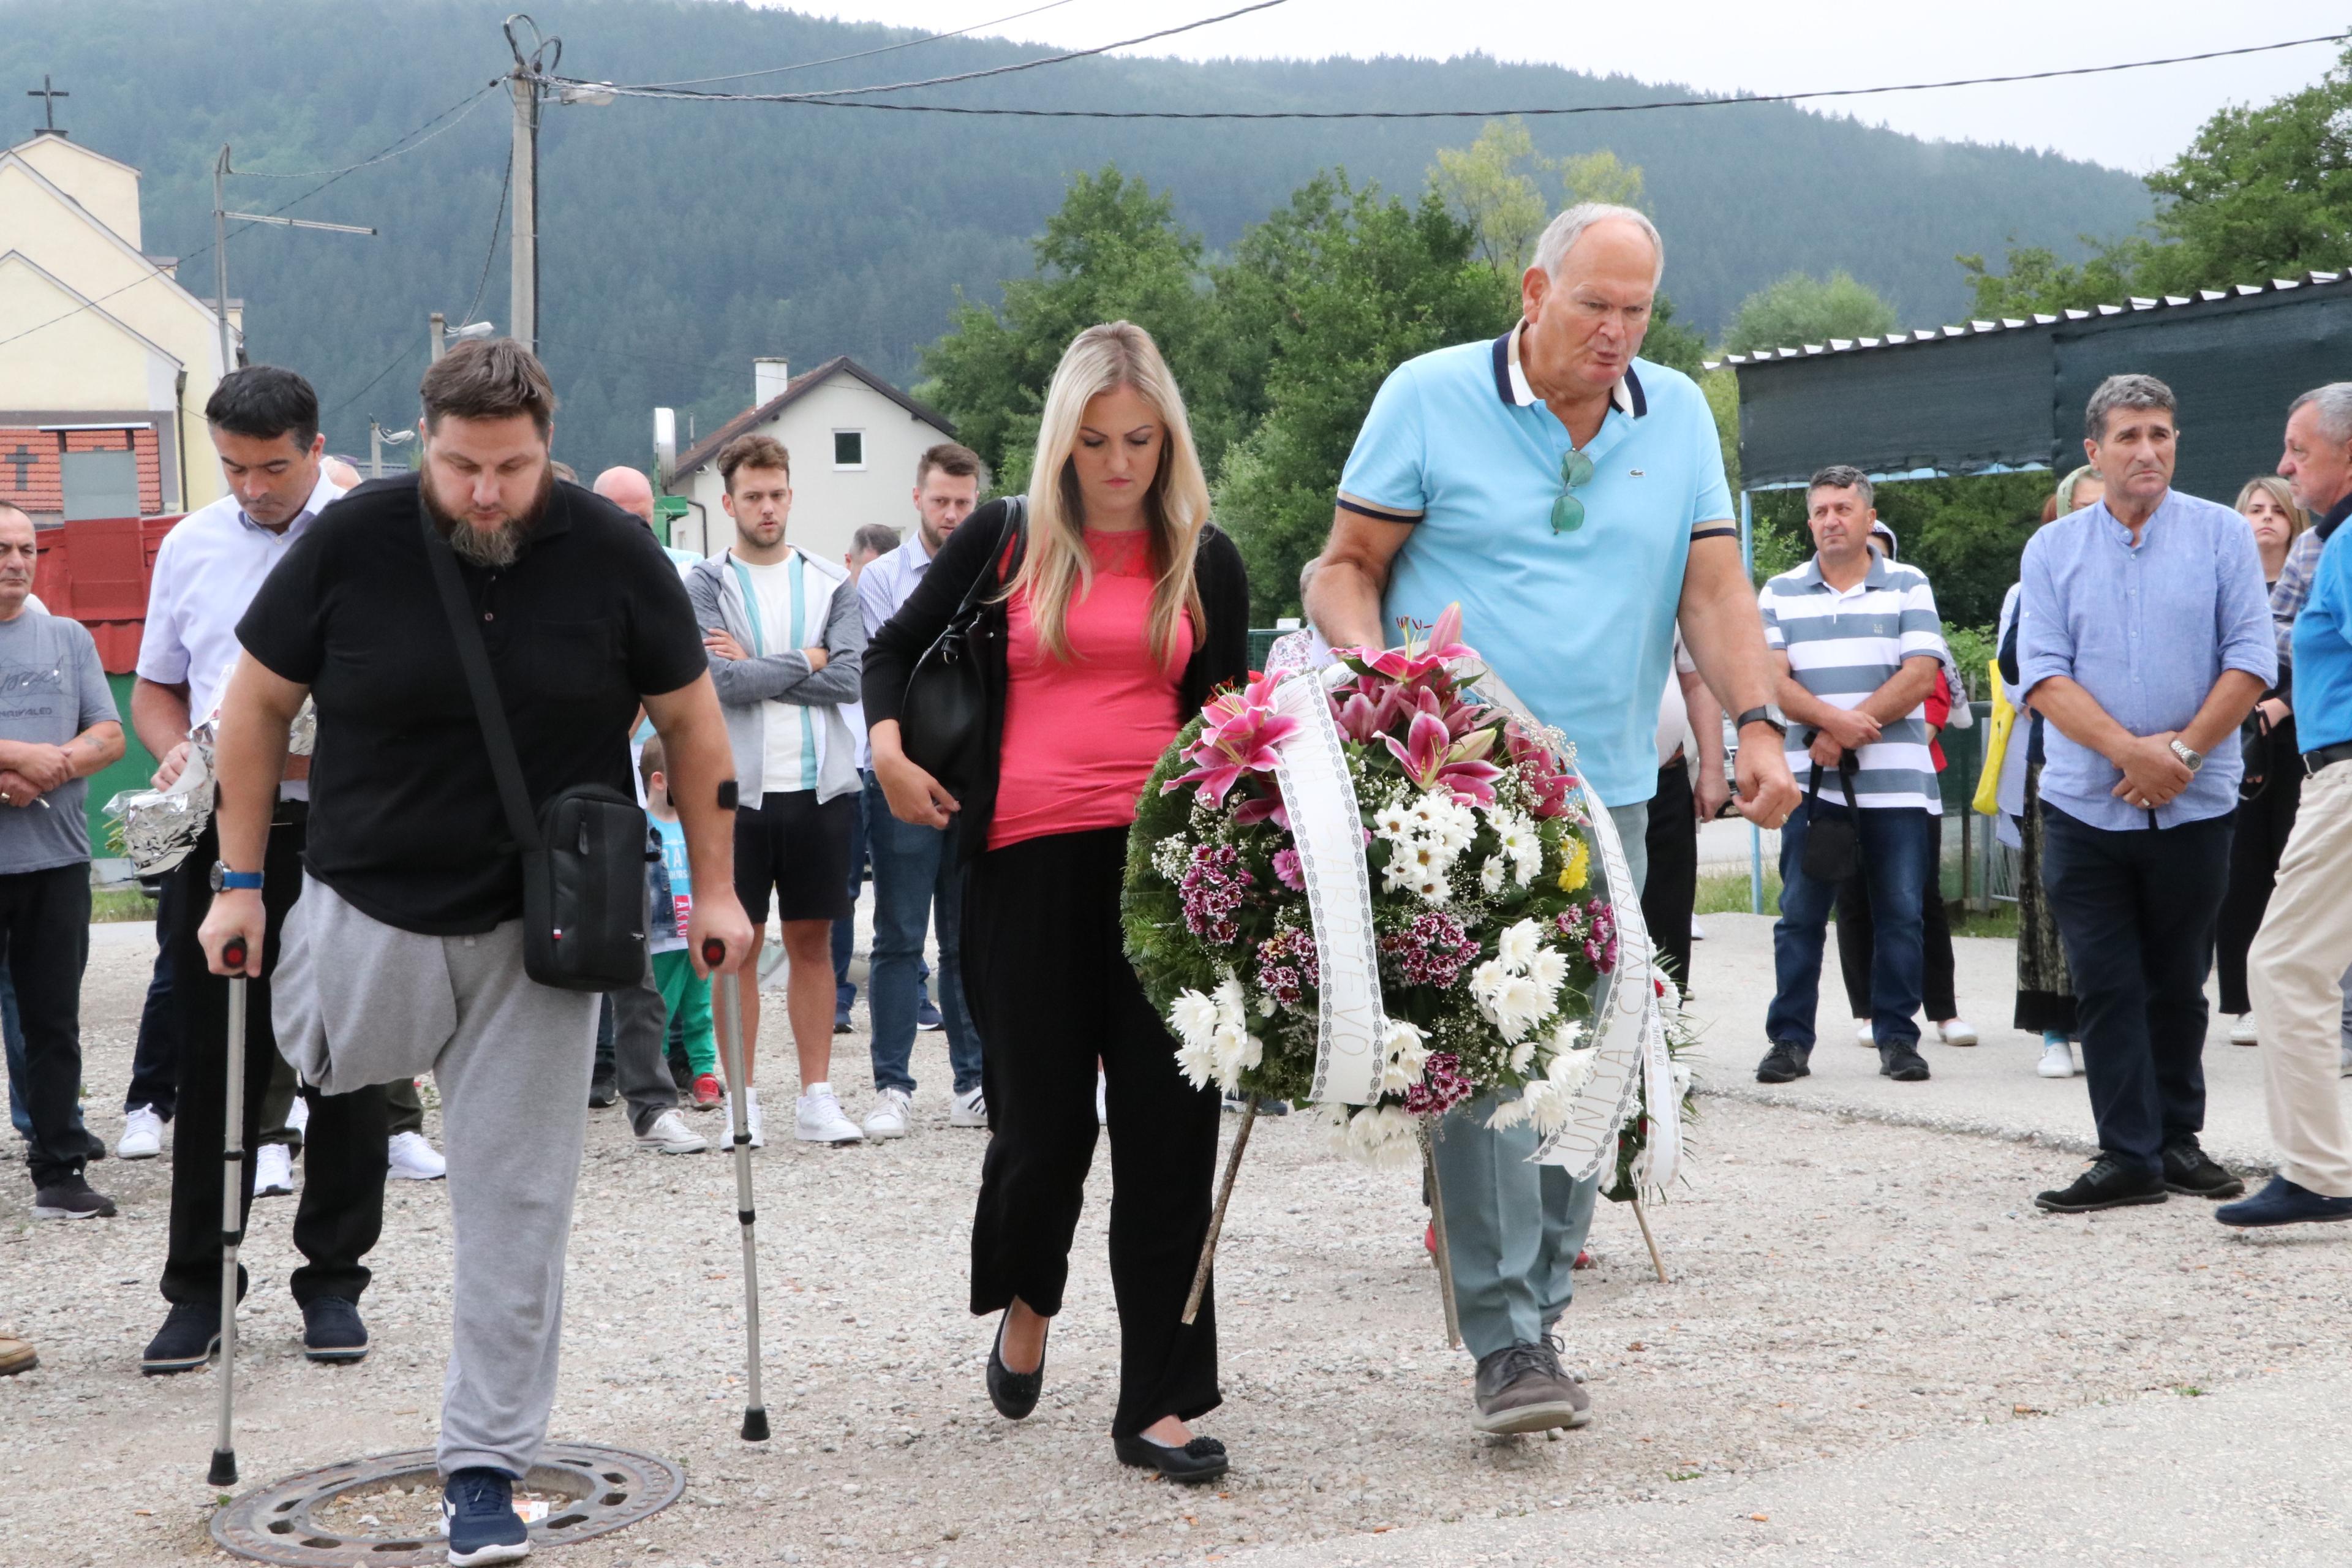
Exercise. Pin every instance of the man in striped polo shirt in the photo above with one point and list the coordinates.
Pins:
(1858, 644)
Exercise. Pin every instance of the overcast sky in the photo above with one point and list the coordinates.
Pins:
(2132, 119)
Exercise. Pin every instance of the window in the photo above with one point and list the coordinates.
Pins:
(849, 448)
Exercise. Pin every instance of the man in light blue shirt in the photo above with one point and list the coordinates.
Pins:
(1570, 499)
(2144, 639)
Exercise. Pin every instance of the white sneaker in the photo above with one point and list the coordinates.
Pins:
(969, 1109)
(1102, 1099)
(1698, 932)
(273, 1171)
(1863, 1036)
(298, 1117)
(888, 1117)
(2241, 1032)
(409, 1158)
(750, 1118)
(143, 1134)
(817, 1118)
(671, 1135)
(2343, 1061)
(1957, 1032)
(2057, 1060)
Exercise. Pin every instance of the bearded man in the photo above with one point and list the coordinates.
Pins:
(405, 950)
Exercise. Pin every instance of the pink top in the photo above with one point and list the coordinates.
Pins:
(1080, 738)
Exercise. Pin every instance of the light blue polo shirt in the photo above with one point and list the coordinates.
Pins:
(1580, 624)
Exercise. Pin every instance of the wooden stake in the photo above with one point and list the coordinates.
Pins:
(1217, 1216)
(1642, 1218)
(1444, 1255)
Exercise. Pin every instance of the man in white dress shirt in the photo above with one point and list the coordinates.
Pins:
(264, 426)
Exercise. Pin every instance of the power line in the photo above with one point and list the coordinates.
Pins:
(506, 183)
(822, 95)
(395, 363)
(863, 53)
(467, 106)
(817, 100)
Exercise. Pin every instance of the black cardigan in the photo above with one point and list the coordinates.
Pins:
(1220, 657)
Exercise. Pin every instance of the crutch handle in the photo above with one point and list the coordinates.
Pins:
(714, 952)
(234, 955)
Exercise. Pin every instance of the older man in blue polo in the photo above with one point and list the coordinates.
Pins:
(1569, 496)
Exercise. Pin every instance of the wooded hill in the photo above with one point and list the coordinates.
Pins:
(678, 240)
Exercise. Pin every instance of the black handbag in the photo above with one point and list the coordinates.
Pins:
(945, 709)
(584, 854)
(1833, 844)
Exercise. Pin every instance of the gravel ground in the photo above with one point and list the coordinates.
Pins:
(1841, 1286)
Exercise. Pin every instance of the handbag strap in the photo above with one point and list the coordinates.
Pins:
(506, 764)
(992, 578)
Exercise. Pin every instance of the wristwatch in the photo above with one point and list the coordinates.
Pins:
(224, 880)
(1768, 714)
(2190, 760)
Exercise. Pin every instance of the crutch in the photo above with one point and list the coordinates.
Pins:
(224, 1470)
(730, 1043)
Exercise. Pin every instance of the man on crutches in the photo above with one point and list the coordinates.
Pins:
(406, 950)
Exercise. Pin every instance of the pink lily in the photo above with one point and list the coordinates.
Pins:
(1237, 739)
(1433, 759)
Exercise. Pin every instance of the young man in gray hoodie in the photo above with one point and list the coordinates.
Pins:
(785, 638)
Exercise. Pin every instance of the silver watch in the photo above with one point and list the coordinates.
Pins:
(2190, 760)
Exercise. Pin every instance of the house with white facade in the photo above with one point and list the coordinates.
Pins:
(854, 439)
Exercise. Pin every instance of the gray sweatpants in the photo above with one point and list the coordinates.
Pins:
(512, 1060)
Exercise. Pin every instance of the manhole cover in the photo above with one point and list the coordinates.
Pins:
(387, 1510)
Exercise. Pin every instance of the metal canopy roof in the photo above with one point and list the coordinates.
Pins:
(2010, 394)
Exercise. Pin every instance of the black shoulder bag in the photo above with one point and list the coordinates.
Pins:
(583, 856)
(945, 710)
(1833, 845)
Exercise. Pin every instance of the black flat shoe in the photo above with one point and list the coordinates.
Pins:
(1201, 1459)
(1014, 1394)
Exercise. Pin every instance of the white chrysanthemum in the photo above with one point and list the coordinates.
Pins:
(1491, 874)
(1193, 1017)
(1236, 1051)
(1384, 1136)
(1565, 1034)
(1432, 887)
(1230, 1001)
(1486, 981)
(1548, 1101)
(1519, 1004)
(1265, 1007)
(1523, 1057)
(1521, 844)
(1198, 1061)
(1407, 1055)
(1519, 944)
(1548, 970)
(1393, 822)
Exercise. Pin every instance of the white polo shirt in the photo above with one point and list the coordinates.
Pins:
(210, 566)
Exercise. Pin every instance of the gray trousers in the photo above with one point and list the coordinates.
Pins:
(1513, 1229)
(640, 1052)
(360, 1002)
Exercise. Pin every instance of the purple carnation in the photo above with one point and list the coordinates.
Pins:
(1433, 950)
(1213, 888)
(1442, 1085)
(1600, 945)
(1286, 869)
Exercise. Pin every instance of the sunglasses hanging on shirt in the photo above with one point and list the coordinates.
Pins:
(1567, 511)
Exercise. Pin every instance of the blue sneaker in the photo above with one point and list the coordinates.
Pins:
(927, 1017)
(478, 1508)
(2284, 1203)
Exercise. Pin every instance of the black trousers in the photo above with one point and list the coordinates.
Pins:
(1048, 984)
(2136, 911)
(341, 1211)
(1671, 886)
(1854, 935)
(155, 1063)
(2263, 825)
(45, 941)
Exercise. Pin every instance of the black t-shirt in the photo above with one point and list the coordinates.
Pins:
(405, 815)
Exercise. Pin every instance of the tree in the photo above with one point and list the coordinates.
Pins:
(1503, 207)
(1800, 309)
(2036, 281)
(1113, 252)
(1601, 177)
(1364, 284)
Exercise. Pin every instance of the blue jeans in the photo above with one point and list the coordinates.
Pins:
(915, 879)
(844, 932)
(1897, 844)
(1513, 1229)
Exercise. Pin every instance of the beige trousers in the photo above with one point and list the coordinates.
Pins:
(2294, 978)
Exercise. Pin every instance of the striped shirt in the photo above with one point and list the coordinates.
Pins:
(1844, 644)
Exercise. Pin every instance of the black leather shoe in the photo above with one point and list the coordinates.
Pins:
(1902, 1062)
(331, 1330)
(602, 1091)
(2191, 1172)
(190, 1334)
(1014, 1394)
(1201, 1459)
(2107, 1185)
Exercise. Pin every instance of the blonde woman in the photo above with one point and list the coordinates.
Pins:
(2272, 788)
(1113, 609)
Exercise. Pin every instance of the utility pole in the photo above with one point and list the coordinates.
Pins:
(377, 436)
(221, 219)
(439, 328)
(523, 83)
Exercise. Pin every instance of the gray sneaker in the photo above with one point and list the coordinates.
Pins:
(1523, 1388)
